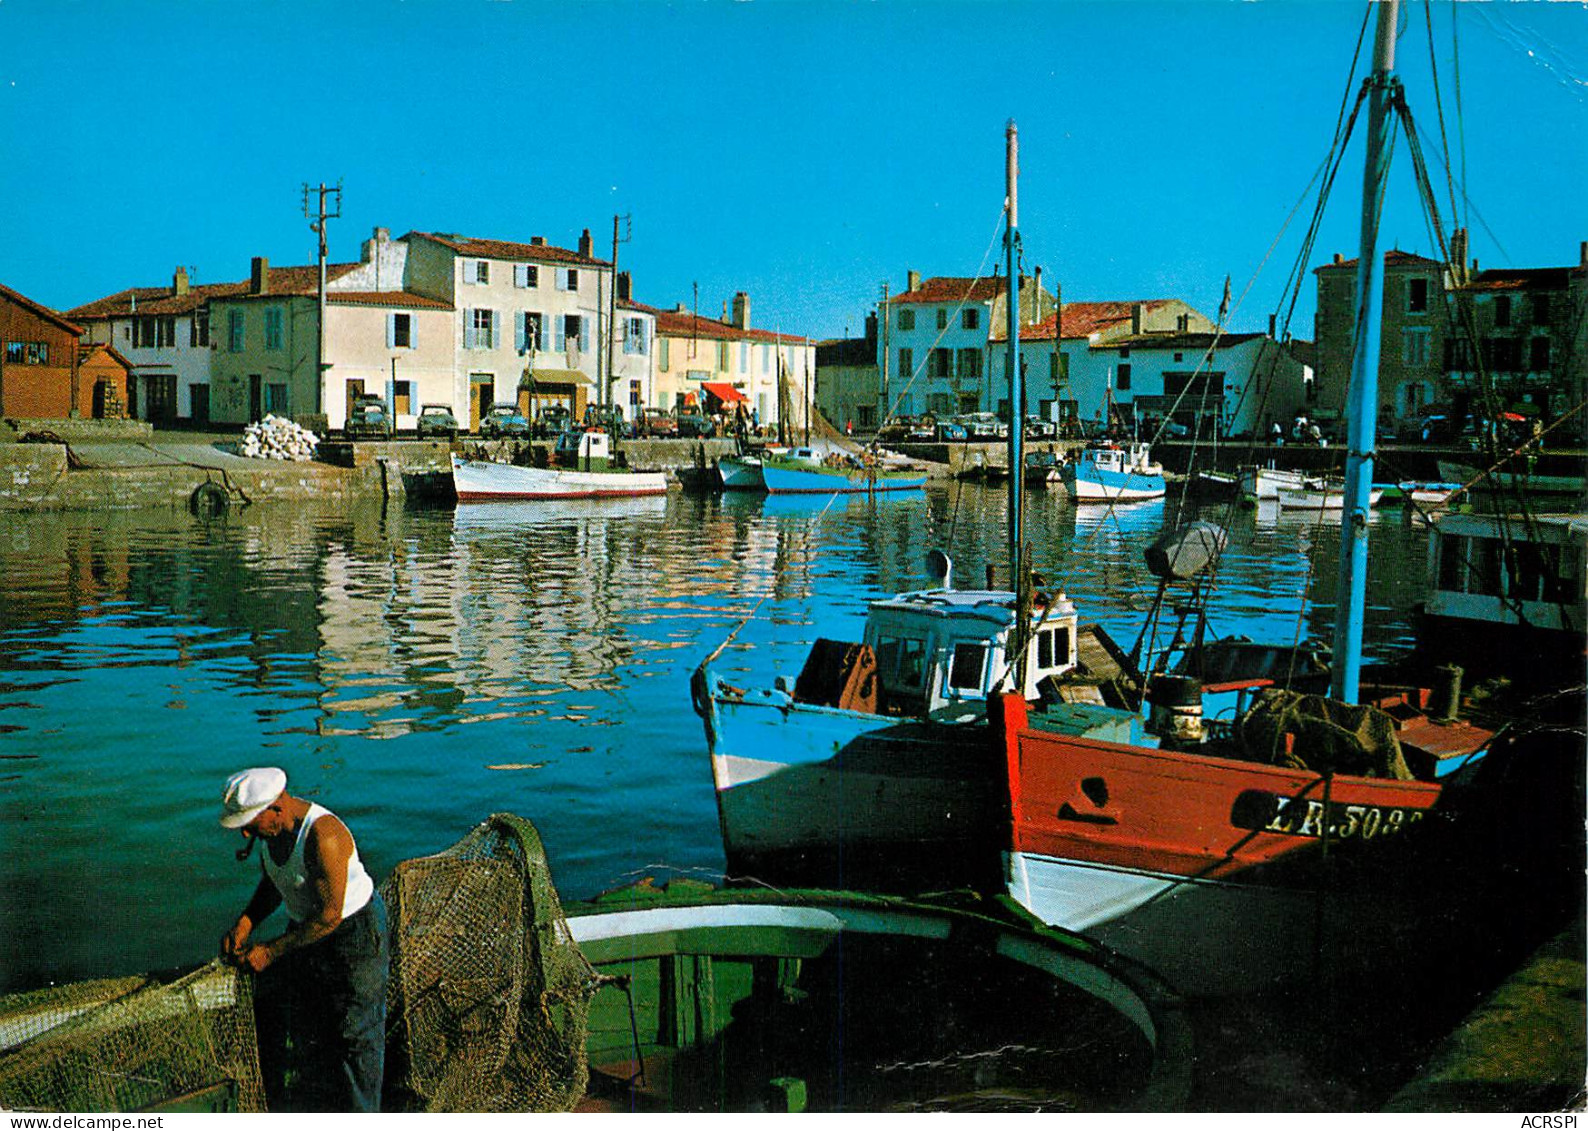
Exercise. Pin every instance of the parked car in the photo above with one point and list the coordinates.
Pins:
(656, 422)
(552, 421)
(368, 420)
(436, 420)
(611, 418)
(504, 420)
(694, 424)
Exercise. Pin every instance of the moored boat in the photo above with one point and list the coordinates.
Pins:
(592, 473)
(1044, 469)
(1108, 473)
(1320, 495)
(1264, 483)
(741, 473)
(811, 471)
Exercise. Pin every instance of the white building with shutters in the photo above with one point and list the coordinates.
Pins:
(529, 319)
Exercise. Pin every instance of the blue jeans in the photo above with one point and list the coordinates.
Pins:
(321, 1017)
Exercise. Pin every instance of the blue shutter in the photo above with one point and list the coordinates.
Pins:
(468, 329)
(584, 334)
(561, 332)
(413, 331)
(391, 331)
(519, 328)
(496, 328)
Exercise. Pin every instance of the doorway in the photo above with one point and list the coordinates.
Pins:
(482, 395)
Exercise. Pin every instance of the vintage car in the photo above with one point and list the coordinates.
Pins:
(436, 420)
(368, 419)
(504, 420)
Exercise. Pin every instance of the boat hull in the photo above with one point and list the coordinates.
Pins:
(740, 474)
(482, 481)
(1096, 485)
(1263, 483)
(1175, 857)
(785, 480)
(1304, 499)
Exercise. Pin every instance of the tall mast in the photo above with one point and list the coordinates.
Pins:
(1017, 422)
(1362, 395)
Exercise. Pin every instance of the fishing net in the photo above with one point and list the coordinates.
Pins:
(1311, 732)
(133, 1044)
(488, 997)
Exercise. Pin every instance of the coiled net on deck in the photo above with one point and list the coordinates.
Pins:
(488, 998)
(133, 1044)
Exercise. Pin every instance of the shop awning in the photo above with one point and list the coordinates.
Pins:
(559, 377)
(724, 392)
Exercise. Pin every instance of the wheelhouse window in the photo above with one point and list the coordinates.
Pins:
(970, 661)
(901, 662)
(1053, 648)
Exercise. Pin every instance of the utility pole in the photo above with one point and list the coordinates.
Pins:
(887, 318)
(317, 225)
(609, 396)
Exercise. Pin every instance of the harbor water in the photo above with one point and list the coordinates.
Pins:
(418, 669)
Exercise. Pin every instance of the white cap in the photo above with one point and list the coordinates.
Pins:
(249, 793)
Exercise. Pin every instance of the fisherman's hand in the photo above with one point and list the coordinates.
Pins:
(234, 940)
(256, 958)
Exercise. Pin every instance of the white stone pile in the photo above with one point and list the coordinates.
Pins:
(275, 437)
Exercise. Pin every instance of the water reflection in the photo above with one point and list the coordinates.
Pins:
(419, 669)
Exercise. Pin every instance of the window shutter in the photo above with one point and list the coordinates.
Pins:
(584, 334)
(520, 328)
(468, 329)
(496, 328)
(561, 279)
(413, 331)
(561, 335)
(391, 331)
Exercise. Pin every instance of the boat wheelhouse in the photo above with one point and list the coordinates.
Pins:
(1110, 473)
(1501, 586)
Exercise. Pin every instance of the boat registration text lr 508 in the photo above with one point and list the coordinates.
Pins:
(1303, 816)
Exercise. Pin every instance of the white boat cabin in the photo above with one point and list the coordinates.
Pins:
(940, 647)
(1137, 459)
(1506, 570)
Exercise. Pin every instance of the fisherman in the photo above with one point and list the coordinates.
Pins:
(1277, 438)
(323, 981)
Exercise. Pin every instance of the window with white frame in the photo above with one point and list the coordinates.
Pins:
(568, 279)
(573, 333)
(274, 337)
(479, 329)
(634, 335)
(526, 275)
(478, 271)
(199, 329)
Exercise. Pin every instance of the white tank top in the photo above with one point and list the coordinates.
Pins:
(292, 880)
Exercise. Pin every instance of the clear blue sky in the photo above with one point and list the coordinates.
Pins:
(803, 152)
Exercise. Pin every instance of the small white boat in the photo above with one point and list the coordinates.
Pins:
(1263, 483)
(1108, 473)
(594, 475)
(1321, 495)
(741, 473)
(1430, 494)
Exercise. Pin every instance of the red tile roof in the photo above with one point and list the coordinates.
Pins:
(684, 324)
(1392, 258)
(39, 308)
(948, 288)
(1194, 341)
(387, 298)
(1521, 278)
(87, 351)
(1083, 319)
(160, 300)
(503, 249)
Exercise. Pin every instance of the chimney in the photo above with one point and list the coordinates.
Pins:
(871, 333)
(586, 244)
(1136, 311)
(259, 276)
(741, 310)
(371, 249)
(540, 241)
(912, 280)
(179, 281)
(624, 285)
(1271, 324)
(1338, 258)
(1582, 254)
(681, 308)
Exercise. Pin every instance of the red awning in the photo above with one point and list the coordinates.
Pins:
(724, 392)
